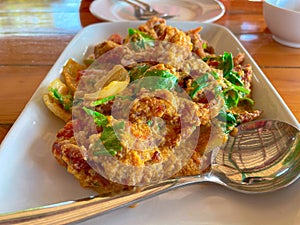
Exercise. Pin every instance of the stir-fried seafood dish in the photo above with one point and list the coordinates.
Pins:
(147, 106)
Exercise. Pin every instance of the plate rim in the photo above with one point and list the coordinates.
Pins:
(212, 19)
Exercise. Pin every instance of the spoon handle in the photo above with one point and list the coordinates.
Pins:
(83, 209)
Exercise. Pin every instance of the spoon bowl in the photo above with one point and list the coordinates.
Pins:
(263, 156)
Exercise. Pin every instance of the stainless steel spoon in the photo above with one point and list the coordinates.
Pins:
(264, 156)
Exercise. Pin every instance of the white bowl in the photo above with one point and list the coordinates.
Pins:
(283, 20)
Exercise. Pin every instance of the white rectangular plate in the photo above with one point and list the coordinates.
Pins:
(30, 176)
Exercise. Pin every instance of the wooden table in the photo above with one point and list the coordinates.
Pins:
(34, 33)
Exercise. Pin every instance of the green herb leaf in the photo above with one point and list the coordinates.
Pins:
(106, 152)
(99, 119)
(238, 88)
(119, 126)
(141, 39)
(247, 101)
(160, 73)
(226, 63)
(110, 140)
(197, 89)
(215, 74)
(231, 98)
(103, 100)
(199, 84)
(99, 149)
(65, 100)
(149, 122)
(109, 143)
(138, 71)
(164, 80)
(234, 78)
(228, 119)
(77, 101)
(201, 80)
(132, 31)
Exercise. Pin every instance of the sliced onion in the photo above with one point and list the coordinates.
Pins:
(116, 80)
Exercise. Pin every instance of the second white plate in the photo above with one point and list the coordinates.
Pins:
(186, 10)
